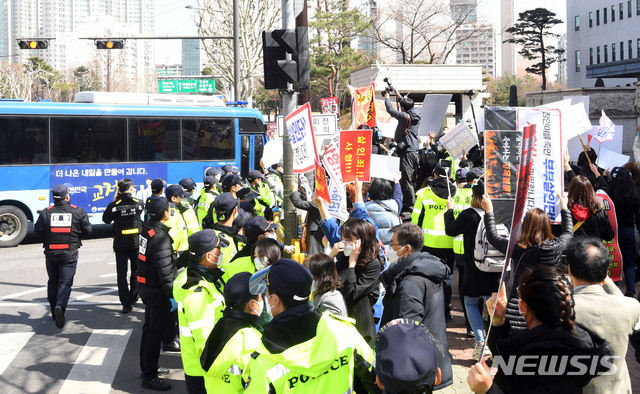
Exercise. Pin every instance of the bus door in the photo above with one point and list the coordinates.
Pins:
(251, 149)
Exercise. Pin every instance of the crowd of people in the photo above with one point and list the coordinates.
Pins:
(367, 310)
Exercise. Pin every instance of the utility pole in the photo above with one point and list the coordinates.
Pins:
(236, 52)
(302, 20)
(289, 100)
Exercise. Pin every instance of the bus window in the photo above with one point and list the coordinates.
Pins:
(250, 125)
(258, 149)
(23, 140)
(208, 139)
(88, 140)
(154, 139)
(245, 153)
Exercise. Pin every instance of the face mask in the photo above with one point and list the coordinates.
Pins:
(348, 249)
(260, 263)
(269, 305)
(392, 255)
(258, 312)
(314, 286)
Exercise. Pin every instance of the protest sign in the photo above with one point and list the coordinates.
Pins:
(364, 109)
(355, 155)
(321, 183)
(608, 159)
(331, 159)
(459, 139)
(272, 153)
(338, 206)
(383, 166)
(434, 108)
(302, 139)
(605, 129)
(615, 266)
(502, 156)
(330, 106)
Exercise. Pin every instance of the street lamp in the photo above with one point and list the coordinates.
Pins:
(236, 49)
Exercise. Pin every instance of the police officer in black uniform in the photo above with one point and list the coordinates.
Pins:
(125, 213)
(62, 225)
(156, 273)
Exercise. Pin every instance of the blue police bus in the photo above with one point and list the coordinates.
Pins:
(103, 137)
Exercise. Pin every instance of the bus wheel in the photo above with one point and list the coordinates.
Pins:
(13, 226)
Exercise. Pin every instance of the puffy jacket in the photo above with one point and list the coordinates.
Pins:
(384, 214)
(62, 225)
(156, 271)
(125, 213)
(597, 225)
(407, 128)
(549, 253)
(414, 290)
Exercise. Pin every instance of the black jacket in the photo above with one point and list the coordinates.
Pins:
(414, 290)
(125, 213)
(75, 228)
(549, 253)
(439, 187)
(314, 221)
(156, 270)
(550, 341)
(407, 129)
(597, 225)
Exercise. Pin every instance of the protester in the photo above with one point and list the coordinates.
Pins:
(536, 246)
(626, 200)
(385, 205)
(477, 285)
(589, 219)
(313, 221)
(266, 252)
(326, 285)
(601, 307)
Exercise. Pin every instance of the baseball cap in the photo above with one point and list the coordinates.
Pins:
(212, 171)
(406, 356)
(246, 194)
(236, 290)
(205, 241)
(176, 191)
(187, 184)
(230, 180)
(461, 174)
(255, 174)
(440, 171)
(256, 226)
(59, 191)
(230, 168)
(209, 181)
(474, 173)
(287, 278)
(241, 219)
(156, 207)
(224, 205)
(157, 185)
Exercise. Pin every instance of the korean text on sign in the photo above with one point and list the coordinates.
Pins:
(355, 155)
(302, 139)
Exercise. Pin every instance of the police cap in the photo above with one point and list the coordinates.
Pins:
(187, 184)
(236, 291)
(156, 207)
(287, 278)
(255, 174)
(212, 171)
(230, 180)
(224, 205)
(157, 185)
(176, 191)
(59, 192)
(205, 241)
(209, 181)
(257, 226)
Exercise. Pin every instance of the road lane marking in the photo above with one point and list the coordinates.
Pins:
(96, 366)
(108, 275)
(97, 293)
(11, 344)
(20, 294)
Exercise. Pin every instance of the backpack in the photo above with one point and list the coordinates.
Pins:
(486, 257)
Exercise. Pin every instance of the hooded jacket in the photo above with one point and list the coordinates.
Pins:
(439, 187)
(385, 214)
(414, 290)
(303, 352)
(407, 129)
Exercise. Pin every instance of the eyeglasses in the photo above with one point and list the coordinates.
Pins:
(401, 245)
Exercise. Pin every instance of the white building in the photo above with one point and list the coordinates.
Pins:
(603, 41)
(480, 49)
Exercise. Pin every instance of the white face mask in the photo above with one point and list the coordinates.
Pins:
(260, 263)
(269, 305)
(314, 286)
(258, 312)
(392, 255)
(348, 248)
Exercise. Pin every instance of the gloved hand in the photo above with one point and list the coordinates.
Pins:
(275, 208)
(289, 248)
(174, 304)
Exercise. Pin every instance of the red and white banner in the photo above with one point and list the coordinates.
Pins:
(355, 155)
(331, 159)
(364, 108)
(303, 141)
(615, 266)
(605, 130)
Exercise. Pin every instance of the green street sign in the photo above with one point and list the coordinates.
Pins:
(186, 86)
(165, 72)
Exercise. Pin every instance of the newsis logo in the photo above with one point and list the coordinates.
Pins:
(554, 365)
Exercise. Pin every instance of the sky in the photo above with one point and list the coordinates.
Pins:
(173, 19)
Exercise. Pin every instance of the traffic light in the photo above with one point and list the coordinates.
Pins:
(277, 69)
(33, 44)
(110, 44)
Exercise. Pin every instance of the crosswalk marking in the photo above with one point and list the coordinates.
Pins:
(97, 364)
(108, 275)
(11, 344)
(20, 294)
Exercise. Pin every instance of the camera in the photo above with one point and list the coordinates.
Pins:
(389, 88)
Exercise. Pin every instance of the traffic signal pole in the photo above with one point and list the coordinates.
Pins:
(289, 100)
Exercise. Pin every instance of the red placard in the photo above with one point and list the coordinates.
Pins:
(355, 155)
(364, 108)
(321, 183)
(615, 266)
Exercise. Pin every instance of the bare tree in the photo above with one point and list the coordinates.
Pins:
(215, 18)
(14, 81)
(423, 30)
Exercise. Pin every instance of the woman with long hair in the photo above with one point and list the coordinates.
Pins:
(327, 284)
(266, 252)
(589, 219)
(385, 205)
(477, 285)
(536, 245)
(359, 264)
(624, 195)
(547, 306)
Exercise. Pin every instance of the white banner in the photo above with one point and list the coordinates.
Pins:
(338, 206)
(272, 153)
(459, 139)
(608, 159)
(302, 139)
(383, 166)
(548, 173)
(434, 108)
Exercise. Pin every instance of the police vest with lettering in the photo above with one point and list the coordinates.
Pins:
(461, 201)
(127, 223)
(204, 202)
(428, 213)
(58, 236)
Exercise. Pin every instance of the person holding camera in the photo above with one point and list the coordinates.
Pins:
(406, 136)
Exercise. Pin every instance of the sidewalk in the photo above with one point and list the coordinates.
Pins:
(461, 349)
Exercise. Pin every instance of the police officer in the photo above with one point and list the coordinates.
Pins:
(156, 273)
(125, 212)
(198, 292)
(190, 187)
(157, 190)
(182, 219)
(62, 225)
(266, 199)
(254, 229)
(207, 195)
(273, 178)
(231, 183)
(302, 351)
(225, 208)
(233, 339)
